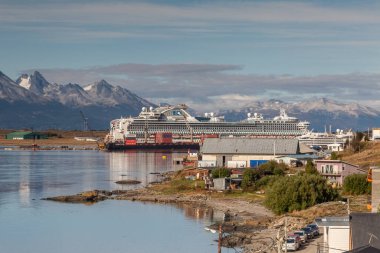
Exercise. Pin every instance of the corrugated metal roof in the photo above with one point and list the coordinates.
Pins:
(304, 156)
(250, 146)
(333, 221)
(19, 134)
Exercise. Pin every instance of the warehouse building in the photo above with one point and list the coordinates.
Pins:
(247, 152)
(376, 134)
(25, 136)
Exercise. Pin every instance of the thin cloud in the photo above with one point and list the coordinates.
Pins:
(137, 19)
(208, 86)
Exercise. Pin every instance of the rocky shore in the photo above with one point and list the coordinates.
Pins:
(247, 224)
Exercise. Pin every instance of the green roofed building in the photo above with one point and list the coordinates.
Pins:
(25, 136)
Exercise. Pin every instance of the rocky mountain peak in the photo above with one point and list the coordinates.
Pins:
(36, 83)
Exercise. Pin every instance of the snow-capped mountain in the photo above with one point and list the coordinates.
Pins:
(35, 83)
(11, 92)
(32, 101)
(320, 112)
(106, 94)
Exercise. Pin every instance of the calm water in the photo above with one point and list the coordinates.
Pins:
(28, 224)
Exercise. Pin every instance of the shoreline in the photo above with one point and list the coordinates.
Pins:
(247, 224)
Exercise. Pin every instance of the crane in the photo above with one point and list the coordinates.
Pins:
(85, 121)
(86, 127)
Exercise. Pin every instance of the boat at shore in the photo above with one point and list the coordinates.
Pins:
(174, 127)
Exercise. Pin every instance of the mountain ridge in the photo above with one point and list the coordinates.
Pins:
(33, 101)
(320, 112)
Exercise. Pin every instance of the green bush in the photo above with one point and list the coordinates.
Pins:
(310, 167)
(220, 173)
(356, 184)
(265, 181)
(250, 176)
(286, 194)
(270, 167)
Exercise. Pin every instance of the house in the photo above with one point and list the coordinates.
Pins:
(246, 152)
(335, 171)
(297, 160)
(336, 233)
(376, 134)
(363, 227)
(226, 183)
(25, 135)
(351, 233)
(335, 147)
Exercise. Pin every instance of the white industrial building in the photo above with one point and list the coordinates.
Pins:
(336, 234)
(376, 134)
(246, 152)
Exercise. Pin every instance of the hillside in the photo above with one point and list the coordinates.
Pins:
(369, 156)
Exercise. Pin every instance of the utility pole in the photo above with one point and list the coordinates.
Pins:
(286, 235)
(220, 239)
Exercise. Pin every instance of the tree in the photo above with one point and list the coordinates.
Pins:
(220, 173)
(250, 176)
(357, 143)
(356, 184)
(334, 156)
(287, 194)
(272, 167)
(310, 167)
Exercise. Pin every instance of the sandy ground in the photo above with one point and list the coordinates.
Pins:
(56, 142)
(58, 139)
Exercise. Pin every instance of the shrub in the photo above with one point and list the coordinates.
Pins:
(310, 167)
(286, 194)
(220, 173)
(265, 181)
(273, 167)
(334, 156)
(250, 176)
(356, 184)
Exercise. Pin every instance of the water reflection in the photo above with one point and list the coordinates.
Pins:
(200, 213)
(145, 167)
(45, 226)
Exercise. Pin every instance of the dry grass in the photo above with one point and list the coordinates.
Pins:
(59, 138)
(369, 156)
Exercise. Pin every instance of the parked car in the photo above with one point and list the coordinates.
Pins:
(297, 238)
(291, 244)
(314, 228)
(302, 234)
(309, 232)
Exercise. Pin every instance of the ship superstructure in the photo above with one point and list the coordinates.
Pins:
(325, 139)
(185, 127)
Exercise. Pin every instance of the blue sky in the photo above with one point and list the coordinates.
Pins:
(233, 50)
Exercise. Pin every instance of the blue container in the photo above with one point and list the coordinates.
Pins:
(256, 163)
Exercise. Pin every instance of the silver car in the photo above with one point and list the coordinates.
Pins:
(302, 234)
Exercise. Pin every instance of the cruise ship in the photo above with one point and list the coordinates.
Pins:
(177, 121)
(325, 139)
